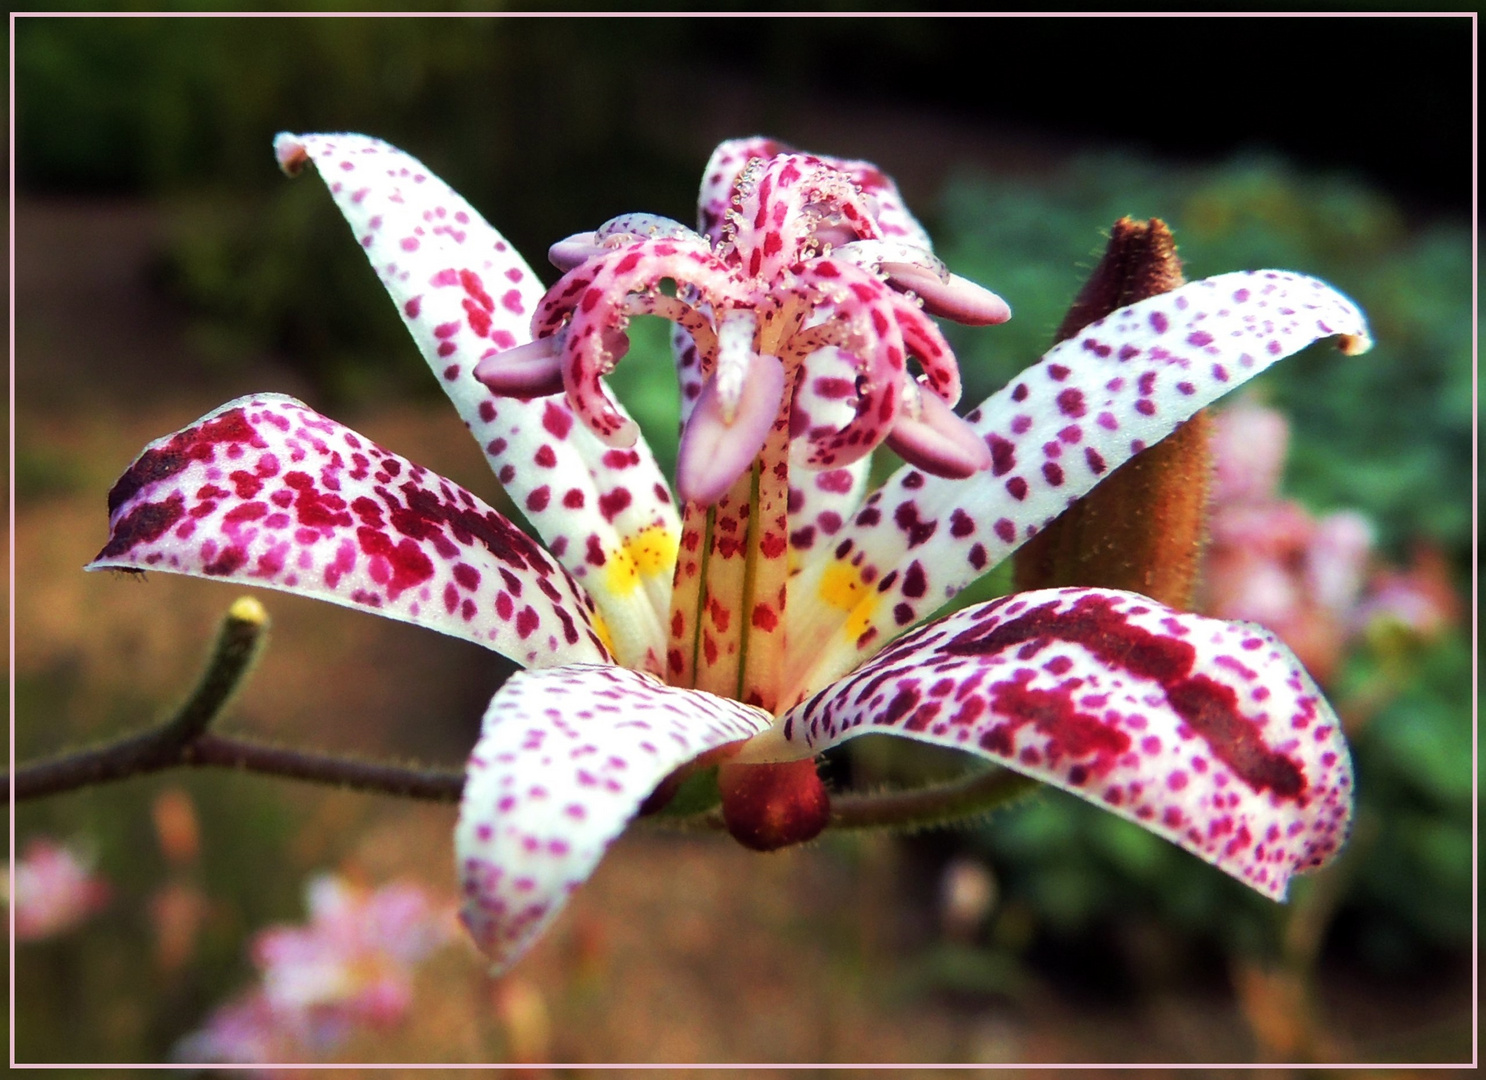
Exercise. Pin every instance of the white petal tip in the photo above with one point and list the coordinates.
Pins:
(291, 153)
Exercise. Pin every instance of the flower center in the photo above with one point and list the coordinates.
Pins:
(796, 323)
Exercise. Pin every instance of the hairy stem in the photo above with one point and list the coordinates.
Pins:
(942, 804)
(183, 740)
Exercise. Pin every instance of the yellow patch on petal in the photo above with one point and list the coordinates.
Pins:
(649, 552)
(601, 628)
(841, 586)
(621, 575)
(861, 616)
(653, 550)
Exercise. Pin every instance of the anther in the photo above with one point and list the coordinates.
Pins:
(527, 371)
(716, 450)
(932, 437)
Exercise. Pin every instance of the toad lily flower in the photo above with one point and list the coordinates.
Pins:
(767, 616)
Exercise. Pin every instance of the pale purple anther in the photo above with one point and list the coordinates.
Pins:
(929, 434)
(956, 298)
(527, 371)
(918, 270)
(717, 448)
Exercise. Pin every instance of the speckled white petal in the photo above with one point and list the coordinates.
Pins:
(820, 504)
(465, 294)
(1208, 733)
(1121, 384)
(565, 758)
(266, 491)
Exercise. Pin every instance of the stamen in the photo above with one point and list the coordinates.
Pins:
(956, 298)
(837, 433)
(734, 358)
(527, 371)
(936, 440)
(678, 311)
(716, 450)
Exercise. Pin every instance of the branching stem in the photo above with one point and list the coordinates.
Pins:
(184, 740)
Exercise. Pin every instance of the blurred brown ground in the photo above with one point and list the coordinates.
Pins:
(681, 948)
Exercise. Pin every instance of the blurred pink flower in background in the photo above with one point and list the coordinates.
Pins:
(1419, 601)
(1249, 444)
(55, 890)
(1306, 578)
(1269, 560)
(179, 908)
(352, 965)
(246, 1029)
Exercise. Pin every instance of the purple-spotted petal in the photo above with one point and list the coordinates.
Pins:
(1208, 733)
(462, 290)
(1094, 401)
(820, 504)
(466, 295)
(265, 491)
(565, 758)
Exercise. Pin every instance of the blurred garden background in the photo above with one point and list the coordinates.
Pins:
(163, 265)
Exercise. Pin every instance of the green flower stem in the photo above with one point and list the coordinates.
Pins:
(942, 804)
(240, 640)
